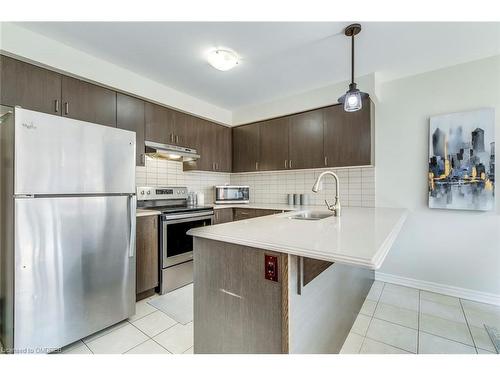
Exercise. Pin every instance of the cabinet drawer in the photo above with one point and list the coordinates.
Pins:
(223, 215)
(248, 213)
(243, 213)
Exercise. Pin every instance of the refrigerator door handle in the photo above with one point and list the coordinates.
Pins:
(132, 209)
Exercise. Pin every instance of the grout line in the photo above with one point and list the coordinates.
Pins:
(419, 330)
(159, 333)
(148, 314)
(142, 342)
(87, 347)
(153, 338)
(447, 338)
(374, 310)
(184, 352)
(468, 326)
(112, 330)
(396, 324)
(381, 342)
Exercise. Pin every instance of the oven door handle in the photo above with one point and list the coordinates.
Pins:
(187, 215)
(187, 219)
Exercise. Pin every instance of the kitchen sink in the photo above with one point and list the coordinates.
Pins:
(311, 215)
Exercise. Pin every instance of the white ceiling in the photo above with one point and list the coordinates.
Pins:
(278, 58)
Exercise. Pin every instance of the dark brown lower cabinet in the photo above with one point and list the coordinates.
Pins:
(223, 215)
(146, 245)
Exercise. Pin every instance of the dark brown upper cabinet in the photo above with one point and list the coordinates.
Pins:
(306, 140)
(246, 154)
(205, 145)
(223, 149)
(182, 129)
(87, 102)
(130, 116)
(159, 124)
(29, 86)
(347, 136)
(274, 146)
(213, 144)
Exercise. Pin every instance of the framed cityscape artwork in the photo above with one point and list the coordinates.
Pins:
(462, 160)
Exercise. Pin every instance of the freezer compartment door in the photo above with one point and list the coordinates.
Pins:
(74, 268)
(57, 155)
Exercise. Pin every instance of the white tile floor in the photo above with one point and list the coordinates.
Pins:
(394, 319)
(149, 331)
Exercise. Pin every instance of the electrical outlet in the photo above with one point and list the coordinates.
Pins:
(271, 267)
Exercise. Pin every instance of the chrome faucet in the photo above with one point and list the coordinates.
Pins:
(335, 207)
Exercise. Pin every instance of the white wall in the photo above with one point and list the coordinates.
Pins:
(320, 97)
(22, 43)
(459, 249)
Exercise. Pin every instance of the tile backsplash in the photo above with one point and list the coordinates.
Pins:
(158, 172)
(357, 185)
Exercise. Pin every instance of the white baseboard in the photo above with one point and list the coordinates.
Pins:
(430, 286)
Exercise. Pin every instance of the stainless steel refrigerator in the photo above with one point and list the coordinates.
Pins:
(67, 229)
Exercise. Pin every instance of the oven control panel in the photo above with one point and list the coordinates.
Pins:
(161, 192)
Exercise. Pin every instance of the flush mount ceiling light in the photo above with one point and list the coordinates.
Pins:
(223, 59)
(353, 98)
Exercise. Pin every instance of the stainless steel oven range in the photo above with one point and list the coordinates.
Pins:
(177, 217)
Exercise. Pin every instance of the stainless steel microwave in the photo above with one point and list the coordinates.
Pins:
(232, 194)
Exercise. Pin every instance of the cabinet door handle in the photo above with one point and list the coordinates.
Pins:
(326, 161)
(66, 108)
(172, 137)
(286, 167)
(256, 165)
(56, 105)
(176, 139)
(290, 164)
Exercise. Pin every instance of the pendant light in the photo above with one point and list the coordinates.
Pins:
(353, 98)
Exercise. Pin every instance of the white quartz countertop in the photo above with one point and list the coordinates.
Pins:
(146, 212)
(360, 237)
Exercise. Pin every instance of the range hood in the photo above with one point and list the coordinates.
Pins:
(170, 152)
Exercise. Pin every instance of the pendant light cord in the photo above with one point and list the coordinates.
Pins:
(352, 58)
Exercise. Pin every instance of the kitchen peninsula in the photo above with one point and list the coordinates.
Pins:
(292, 282)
